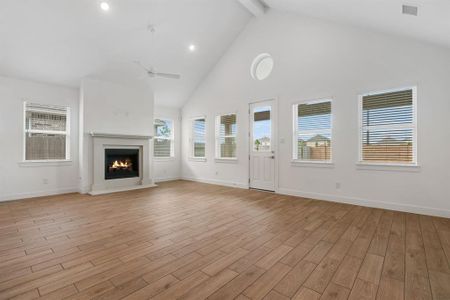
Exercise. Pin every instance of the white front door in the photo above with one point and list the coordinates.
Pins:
(262, 145)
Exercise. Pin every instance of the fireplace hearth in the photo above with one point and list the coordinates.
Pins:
(121, 163)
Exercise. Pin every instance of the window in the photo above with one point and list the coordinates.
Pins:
(388, 127)
(226, 130)
(262, 129)
(164, 138)
(312, 131)
(46, 132)
(199, 138)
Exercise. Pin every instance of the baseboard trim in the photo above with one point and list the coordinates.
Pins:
(368, 203)
(217, 182)
(19, 196)
(121, 189)
(167, 179)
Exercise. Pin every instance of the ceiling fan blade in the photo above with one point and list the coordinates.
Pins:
(142, 66)
(168, 75)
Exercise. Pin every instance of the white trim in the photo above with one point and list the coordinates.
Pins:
(121, 189)
(217, 182)
(59, 110)
(217, 136)
(413, 126)
(369, 203)
(171, 139)
(46, 163)
(197, 159)
(312, 163)
(295, 131)
(27, 195)
(231, 160)
(191, 139)
(388, 167)
(165, 179)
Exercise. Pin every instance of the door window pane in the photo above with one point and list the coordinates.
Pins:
(262, 129)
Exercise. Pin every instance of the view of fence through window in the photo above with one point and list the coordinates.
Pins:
(226, 136)
(45, 132)
(262, 129)
(163, 144)
(387, 129)
(313, 136)
(199, 137)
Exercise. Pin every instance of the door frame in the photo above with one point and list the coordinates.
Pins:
(275, 139)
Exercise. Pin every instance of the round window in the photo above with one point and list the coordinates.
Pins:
(262, 66)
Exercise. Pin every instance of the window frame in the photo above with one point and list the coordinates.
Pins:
(217, 137)
(413, 126)
(191, 139)
(66, 133)
(171, 138)
(295, 132)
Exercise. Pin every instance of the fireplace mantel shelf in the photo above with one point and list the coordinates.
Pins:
(120, 136)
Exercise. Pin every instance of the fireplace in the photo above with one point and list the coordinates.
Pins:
(121, 163)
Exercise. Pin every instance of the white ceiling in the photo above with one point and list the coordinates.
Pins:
(61, 41)
(432, 23)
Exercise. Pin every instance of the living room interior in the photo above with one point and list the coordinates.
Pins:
(224, 149)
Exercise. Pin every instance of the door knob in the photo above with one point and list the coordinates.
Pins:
(272, 157)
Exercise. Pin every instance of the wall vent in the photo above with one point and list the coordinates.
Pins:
(410, 10)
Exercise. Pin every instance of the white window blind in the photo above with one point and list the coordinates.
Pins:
(312, 131)
(163, 146)
(46, 131)
(226, 130)
(388, 127)
(199, 138)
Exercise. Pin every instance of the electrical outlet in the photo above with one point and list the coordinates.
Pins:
(45, 181)
(217, 172)
(338, 185)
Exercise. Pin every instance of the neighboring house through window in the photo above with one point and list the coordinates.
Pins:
(163, 146)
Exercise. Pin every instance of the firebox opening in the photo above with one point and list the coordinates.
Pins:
(121, 163)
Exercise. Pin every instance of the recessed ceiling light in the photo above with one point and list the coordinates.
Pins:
(104, 5)
(192, 47)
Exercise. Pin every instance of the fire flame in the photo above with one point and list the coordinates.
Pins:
(121, 164)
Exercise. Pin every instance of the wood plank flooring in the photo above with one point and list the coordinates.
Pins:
(186, 240)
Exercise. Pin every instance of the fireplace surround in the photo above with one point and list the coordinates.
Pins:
(120, 163)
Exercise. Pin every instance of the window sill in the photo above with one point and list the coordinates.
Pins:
(226, 160)
(313, 164)
(45, 163)
(198, 159)
(162, 159)
(388, 167)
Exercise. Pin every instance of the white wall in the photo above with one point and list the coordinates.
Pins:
(316, 59)
(18, 180)
(169, 168)
(108, 107)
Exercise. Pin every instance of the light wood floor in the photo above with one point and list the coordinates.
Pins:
(194, 241)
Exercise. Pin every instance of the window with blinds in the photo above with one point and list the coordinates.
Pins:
(46, 131)
(163, 145)
(199, 138)
(312, 131)
(226, 131)
(388, 127)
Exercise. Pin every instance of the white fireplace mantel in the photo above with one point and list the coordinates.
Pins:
(120, 136)
(102, 141)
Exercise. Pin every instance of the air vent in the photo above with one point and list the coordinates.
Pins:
(410, 10)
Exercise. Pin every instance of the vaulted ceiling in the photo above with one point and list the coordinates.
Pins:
(62, 41)
(432, 24)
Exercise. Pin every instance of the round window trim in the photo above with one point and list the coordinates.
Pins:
(262, 66)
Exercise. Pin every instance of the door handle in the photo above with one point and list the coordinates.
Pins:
(272, 157)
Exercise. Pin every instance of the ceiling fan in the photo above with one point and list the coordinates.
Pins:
(152, 73)
(150, 70)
